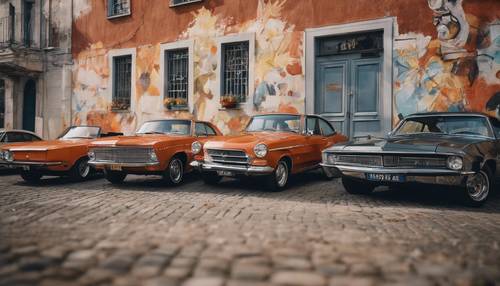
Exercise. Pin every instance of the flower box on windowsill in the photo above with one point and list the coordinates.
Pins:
(175, 104)
(230, 102)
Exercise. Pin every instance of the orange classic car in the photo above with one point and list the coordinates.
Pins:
(273, 145)
(65, 156)
(159, 147)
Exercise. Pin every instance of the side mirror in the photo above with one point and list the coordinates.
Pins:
(309, 132)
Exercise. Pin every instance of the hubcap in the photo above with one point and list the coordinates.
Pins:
(84, 169)
(176, 171)
(282, 174)
(478, 186)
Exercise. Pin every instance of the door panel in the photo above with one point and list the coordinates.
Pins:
(331, 89)
(365, 86)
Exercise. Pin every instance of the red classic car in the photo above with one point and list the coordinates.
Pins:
(160, 147)
(66, 156)
(273, 145)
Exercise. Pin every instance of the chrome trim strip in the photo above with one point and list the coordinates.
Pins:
(104, 164)
(382, 152)
(27, 150)
(284, 148)
(30, 163)
(219, 167)
(345, 168)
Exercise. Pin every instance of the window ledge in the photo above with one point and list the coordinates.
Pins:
(120, 110)
(178, 109)
(111, 17)
(172, 4)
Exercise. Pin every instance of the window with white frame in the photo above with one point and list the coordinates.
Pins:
(176, 81)
(118, 8)
(122, 82)
(174, 3)
(234, 73)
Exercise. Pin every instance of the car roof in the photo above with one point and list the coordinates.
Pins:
(19, 130)
(462, 113)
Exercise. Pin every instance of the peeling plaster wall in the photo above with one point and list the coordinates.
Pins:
(423, 81)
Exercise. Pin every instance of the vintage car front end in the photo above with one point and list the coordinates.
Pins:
(125, 159)
(231, 161)
(384, 168)
(27, 159)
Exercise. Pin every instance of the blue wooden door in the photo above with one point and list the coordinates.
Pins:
(347, 93)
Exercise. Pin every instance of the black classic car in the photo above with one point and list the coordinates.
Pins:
(452, 149)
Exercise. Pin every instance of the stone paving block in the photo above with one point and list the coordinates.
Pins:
(297, 278)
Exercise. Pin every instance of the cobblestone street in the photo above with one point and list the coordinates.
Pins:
(92, 233)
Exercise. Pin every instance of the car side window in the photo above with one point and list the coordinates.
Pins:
(326, 128)
(29, 137)
(14, 137)
(200, 129)
(210, 130)
(496, 127)
(312, 126)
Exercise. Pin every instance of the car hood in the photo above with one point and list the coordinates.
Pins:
(417, 144)
(137, 140)
(247, 140)
(46, 145)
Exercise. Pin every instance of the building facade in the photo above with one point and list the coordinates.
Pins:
(360, 64)
(35, 65)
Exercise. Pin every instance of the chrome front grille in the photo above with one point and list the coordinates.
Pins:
(123, 155)
(390, 161)
(228, 157)
(364, 160)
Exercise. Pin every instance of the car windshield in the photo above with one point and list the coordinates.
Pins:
(174, 127)
(81, 132)
(450, 125)
(286, 123)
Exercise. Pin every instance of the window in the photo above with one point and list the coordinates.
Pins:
(326, 128)
(312, 126)
(172, 127)
(203, 129)
(235, 73)
(176, 78)
(272, 123)
(122, 82)
(496, 127)
(2, 103)
(118, 8)
(174, 3)
(450, 125)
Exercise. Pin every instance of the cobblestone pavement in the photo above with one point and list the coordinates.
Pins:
(93, 233)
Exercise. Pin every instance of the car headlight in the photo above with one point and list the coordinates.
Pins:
(196, 147)
(260, 150)
(8, 156)
(1, 155)
(91, 155)
(455, 163)
(152, 156)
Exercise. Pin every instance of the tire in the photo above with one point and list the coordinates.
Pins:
(31, 177)
(174, 174)
(357, 187)
(81, 170)
(278, 180)
(478, 188)
(328, 175)
(211, 178)
(115, 177)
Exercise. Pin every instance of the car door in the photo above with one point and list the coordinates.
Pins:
(495, 123)
(315, 140)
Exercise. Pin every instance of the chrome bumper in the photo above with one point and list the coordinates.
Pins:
(20, 164)
(424, 176)
(250, 170)
(125, 165)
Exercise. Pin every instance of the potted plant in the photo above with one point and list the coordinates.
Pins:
(229, 101)
(175, 103)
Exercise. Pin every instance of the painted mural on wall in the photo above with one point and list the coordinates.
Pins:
(457, 71)
(278, 79)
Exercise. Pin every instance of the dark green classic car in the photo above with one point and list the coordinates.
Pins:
(453, 149)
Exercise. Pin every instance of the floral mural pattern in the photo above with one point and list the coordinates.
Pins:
(424, 80)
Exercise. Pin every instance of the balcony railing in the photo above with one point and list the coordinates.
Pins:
(16, 31)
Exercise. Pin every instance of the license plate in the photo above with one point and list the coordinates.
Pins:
(225, 173)
(385, 178)
(115, 168)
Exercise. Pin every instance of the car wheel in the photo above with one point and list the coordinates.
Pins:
(174, 174)
(211, 178)
(328, 174)
(278, 180)
(81, 170)
(357, 187)
(31, 177)
(478, 187)
(115, 177)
